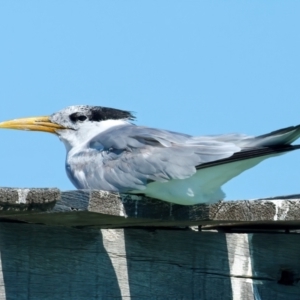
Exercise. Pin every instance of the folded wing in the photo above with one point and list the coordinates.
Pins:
(133, 156)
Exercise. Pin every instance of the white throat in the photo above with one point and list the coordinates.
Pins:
(85, 132)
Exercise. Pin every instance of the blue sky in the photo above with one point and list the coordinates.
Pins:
(198, 67)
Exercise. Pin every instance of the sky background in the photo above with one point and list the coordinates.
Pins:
(197, 67)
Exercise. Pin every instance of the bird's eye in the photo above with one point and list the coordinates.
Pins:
(82, 118)
(76, 117)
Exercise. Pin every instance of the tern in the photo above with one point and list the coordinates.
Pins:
(106, 151)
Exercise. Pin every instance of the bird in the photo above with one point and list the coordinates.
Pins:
(107, 151)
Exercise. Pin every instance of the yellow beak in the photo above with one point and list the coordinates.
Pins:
(34, 124)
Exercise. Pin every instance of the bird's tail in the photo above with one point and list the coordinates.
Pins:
(267, 145)
(278, 138)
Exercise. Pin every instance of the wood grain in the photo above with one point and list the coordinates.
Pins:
(112, 210)
(112, 246)
(50, 262)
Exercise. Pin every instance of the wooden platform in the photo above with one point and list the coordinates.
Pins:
(99, 245)
(112, 210)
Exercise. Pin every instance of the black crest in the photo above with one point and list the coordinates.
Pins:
(99, 113)
(106, 113)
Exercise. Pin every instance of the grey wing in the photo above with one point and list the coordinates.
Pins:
(128, 157)
(132, 156)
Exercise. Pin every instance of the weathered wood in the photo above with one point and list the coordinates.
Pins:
(111, 210)
(14, 199)
(55, 262)
(50, 262)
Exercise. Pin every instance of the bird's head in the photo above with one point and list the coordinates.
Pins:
(78, 116)
(73, 124)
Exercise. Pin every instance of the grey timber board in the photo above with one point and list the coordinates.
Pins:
(14, 199)
(111, 210)
(53, 262)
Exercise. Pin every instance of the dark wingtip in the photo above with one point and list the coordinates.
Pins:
(249, 154)
(280, 131)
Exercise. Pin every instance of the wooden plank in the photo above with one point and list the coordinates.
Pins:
(14, 199)
(50, 262)
(111, 210)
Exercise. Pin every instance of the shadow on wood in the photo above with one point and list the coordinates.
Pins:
(42, 262)
(140, 260)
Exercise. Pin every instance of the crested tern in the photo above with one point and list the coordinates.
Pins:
(106, 151)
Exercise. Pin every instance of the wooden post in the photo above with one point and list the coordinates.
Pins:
(99, 245)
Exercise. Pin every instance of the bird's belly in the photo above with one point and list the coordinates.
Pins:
(184, 192)
(203, 187)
